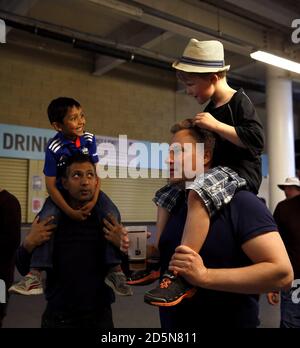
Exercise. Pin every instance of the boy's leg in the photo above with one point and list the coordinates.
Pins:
(42, 255)
(115, 278)
(198, 219)
(194, 235)
(197, 223)
(105, 206)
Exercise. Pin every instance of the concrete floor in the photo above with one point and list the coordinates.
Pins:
(128, 312)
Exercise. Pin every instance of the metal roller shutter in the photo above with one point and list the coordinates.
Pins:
(133, 197)
(14, 178)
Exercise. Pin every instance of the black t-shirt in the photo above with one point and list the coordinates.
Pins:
(10, 232)
(76, 282)
(287, 218)
(240, 113)
(242, 219)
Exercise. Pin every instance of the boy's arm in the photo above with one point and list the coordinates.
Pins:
(207, 121)
(59, 200)
(55, 194)
(229, 133)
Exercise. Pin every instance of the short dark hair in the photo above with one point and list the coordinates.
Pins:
(76, 158)
(202, 135)
(183, 75)
(58, 108)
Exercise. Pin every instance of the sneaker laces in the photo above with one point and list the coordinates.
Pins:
(164, 284)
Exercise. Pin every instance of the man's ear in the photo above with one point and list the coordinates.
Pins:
(207, 157)
(57, 126)
(64, 183)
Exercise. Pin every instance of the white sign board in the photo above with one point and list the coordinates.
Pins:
(2, 31)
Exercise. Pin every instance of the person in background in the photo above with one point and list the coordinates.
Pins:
(286, 215)
(10, 231)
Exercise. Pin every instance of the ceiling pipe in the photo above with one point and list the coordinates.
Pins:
(105, 47)
(110, 51)
(72, 36)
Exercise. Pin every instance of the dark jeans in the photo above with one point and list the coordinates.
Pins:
(3, 309)
(290, 309)
(2, 313)
(102, 319)
(42, 256)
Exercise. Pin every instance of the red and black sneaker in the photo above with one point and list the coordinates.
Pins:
(145, 277)
(171, 291)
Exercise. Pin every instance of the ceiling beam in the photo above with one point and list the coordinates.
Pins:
(266, 9)
(202, 23)
(132, 33)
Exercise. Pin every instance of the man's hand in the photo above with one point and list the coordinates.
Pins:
(207, 121)
(39, 233)
(187, 263)
(116, 233)
(273, 297)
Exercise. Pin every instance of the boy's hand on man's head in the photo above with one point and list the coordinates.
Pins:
(207, 121)
(40, 232)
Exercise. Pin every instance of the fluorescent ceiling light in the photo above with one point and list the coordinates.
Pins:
(2, 31)
(277, 61)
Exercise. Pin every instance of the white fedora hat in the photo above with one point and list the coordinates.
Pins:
(202, 57)
(290, 182)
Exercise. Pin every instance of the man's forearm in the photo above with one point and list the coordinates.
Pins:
(259, 278)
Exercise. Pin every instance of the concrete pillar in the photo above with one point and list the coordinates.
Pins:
(280, 130)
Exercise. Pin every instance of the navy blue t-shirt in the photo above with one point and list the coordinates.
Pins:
(60, 148)
(244, 218)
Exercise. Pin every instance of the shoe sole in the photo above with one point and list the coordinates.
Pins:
(27, 292)
(149, 279)
(111, 285)
(190, 293)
